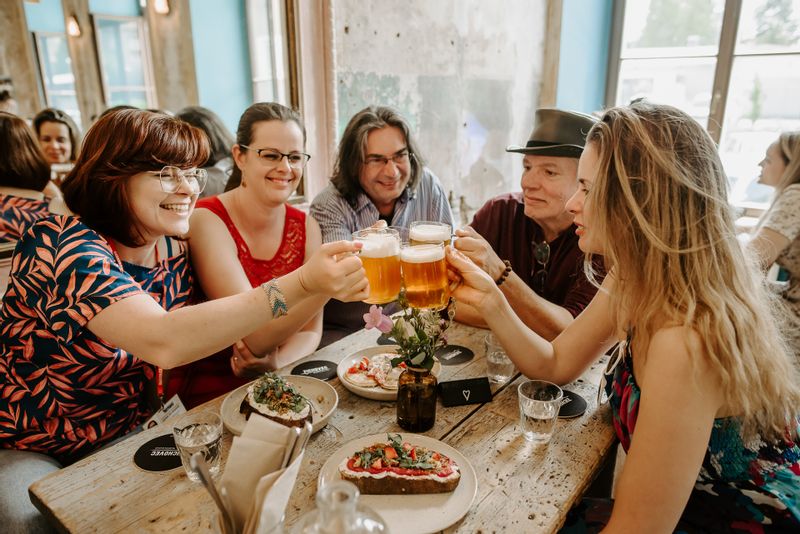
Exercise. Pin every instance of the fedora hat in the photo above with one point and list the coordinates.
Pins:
(557, 133)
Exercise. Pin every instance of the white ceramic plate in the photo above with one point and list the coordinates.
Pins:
(431, 512)
(321, 395)
(376, 392)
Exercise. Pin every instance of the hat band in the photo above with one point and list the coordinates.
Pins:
(543, 144)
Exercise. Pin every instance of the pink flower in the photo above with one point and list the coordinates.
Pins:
(376, 319)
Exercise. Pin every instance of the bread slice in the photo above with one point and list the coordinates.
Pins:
(398, 468)
(272, 397)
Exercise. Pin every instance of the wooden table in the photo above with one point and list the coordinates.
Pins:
(520, 488)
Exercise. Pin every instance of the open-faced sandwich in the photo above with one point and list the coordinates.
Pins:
(375, 371)
(397, 467)
(274, 398)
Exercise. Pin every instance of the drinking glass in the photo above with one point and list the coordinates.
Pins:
(202, 432)
(499, 367)
(425, 276)
(380, 256)
(539, 402)
(429, 232)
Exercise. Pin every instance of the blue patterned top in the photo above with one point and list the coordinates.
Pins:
(741, 482)
(64, 391)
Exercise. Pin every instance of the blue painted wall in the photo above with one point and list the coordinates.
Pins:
(583, 61)
(222, 57)
(46, 16)
(119, 8)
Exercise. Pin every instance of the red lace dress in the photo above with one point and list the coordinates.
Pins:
(211, 377)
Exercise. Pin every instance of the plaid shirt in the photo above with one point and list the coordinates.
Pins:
(338, 219)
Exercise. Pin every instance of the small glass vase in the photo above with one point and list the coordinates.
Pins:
(339, 512)
(416, 399)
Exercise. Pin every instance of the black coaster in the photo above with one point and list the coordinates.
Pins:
(454, 354)
(321, 369)
(384, 339)
(158, 454)
(574, 405)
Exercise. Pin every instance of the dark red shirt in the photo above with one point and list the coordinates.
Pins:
(513, 236)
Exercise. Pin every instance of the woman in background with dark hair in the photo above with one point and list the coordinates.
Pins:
(24, 176)
(247, 236)
(95, 306)
(58, 135)
(220, 163)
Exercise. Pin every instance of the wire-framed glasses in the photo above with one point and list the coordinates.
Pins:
(376, 162)
(270, 157)
(172, 177)
(541, 253)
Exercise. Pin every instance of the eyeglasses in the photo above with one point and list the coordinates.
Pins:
(541, 253)
(606, 379)
(379, 162)
(172, 178)
(270, 157)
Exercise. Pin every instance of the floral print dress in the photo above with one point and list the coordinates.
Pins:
(748, 486)
(17, 213)
(64, 391)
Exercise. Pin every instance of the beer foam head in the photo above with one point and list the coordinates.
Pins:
(422, 254)
(379, 245)
(430, 232)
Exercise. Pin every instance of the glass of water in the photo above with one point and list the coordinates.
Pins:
(539, 402)
(499, 368)
(201, 431)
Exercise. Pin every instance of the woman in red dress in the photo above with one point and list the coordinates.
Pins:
(250, 235)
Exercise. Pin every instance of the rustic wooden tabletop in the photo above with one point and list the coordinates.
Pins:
(521, 488)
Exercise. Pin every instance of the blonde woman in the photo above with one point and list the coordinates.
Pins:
(704, 395)
(777, 236)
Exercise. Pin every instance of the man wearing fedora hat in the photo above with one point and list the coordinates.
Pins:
(526, 241)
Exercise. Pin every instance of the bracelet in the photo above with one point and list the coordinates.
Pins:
(275, 298)
(505, 274)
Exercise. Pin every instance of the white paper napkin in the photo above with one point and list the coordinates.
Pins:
(257, 487)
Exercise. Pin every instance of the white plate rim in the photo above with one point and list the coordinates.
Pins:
(374, 392)
(433, 511)
(235, 397)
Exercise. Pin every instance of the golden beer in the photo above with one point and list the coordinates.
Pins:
(380, 256)
(425, 276)
(429, 232)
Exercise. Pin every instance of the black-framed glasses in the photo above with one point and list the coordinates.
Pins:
(172, 177)
(272, 158)
(376, 162)
(541, 253)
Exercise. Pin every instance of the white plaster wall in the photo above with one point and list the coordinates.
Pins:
(466, 73)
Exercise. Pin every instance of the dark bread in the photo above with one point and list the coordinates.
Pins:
(400, 485)
(246, 409)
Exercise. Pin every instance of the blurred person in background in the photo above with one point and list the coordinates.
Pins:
(24, 176)
(220, 163)
(776, 237)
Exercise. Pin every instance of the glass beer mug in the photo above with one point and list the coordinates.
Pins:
(429, 232)
(425, 276)
(380, 255)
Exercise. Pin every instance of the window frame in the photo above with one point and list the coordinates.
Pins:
(147, 58)
(720, 90)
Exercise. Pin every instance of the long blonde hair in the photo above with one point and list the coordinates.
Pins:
(660, 205)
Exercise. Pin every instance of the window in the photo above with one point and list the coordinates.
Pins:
(269, 56)
(55, 71)
(733, 65)
(125, 66)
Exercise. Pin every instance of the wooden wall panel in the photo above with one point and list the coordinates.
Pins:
(83, 52)
(173, 55)
(17, 58)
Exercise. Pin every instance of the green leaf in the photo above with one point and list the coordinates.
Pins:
(418, 359)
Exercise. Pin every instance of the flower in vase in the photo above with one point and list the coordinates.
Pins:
(417, 333)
